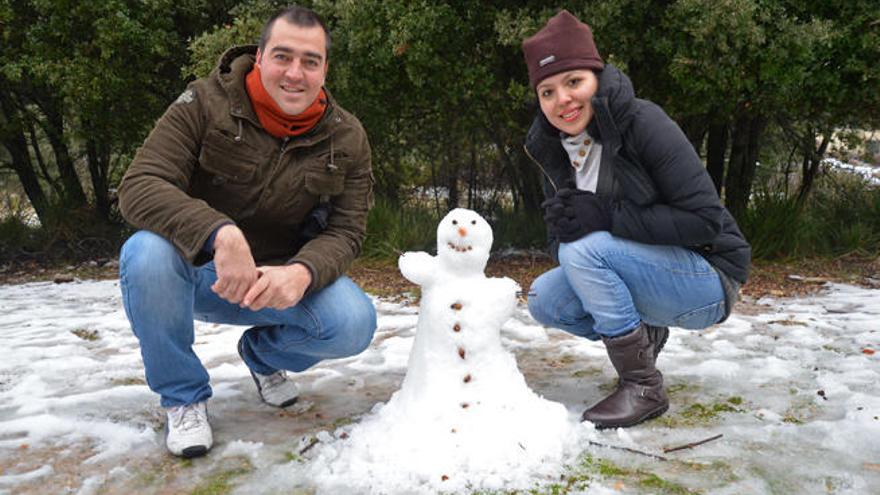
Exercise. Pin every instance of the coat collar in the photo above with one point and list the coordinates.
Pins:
(230, 73)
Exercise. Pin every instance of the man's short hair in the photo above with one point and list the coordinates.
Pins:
(298, 16)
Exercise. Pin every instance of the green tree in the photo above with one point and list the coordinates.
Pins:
(731, 71)
(82, 81)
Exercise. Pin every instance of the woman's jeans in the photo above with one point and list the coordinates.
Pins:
(606, 285)
(163, 294)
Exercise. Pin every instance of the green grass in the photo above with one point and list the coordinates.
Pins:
(392, 229)
(589, 469)
(702, 414)
(220, 483)
(841, 216)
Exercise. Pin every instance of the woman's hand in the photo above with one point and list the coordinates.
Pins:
(574, 213)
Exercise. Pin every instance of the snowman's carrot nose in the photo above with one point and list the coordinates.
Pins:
(462, 231)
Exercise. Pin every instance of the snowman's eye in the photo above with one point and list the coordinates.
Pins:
(455, 222)
(473, 222)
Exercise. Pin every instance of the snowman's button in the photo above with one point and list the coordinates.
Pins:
(461, 352)
(444, 478)
(467, 378)
(454, 431)
(465, 405)
(456, 328)
(456, 306)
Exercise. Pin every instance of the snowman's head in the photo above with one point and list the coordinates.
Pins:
(464, 240)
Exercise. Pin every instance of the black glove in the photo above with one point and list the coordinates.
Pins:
(553, 209)
(573, 213)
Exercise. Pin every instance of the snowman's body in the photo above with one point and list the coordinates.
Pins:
(463, 396)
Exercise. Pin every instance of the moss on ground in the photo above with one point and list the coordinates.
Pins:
(589, 468)
(698, 414)
(220, 482)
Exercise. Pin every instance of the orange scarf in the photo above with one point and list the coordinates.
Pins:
(273, 119)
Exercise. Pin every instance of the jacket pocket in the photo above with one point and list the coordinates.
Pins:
(322, 184)
(227, 160)
(227, 174)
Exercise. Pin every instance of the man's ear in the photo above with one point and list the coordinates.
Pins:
(259, 56)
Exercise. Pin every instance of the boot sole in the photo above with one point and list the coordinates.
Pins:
(651, 415)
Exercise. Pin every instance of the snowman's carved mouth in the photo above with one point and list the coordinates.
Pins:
(460, 249)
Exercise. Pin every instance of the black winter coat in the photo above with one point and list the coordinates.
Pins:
(659, 189)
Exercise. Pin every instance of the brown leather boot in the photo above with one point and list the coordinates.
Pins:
(640, 394)
(657, 336)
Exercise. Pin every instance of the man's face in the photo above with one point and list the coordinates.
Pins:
(293, 65)
(565, 99)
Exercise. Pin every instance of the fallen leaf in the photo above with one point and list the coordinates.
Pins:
(871, 466)
(619, 486)
(868, 351)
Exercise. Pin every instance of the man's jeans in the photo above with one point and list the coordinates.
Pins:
(163, 293)
(606, 285)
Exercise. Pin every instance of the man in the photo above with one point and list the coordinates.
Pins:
(252, 195)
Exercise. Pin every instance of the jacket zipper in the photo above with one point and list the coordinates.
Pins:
(282, 150)
(542, 168)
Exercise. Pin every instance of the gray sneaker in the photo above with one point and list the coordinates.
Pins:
(276, 389)
(188, 432)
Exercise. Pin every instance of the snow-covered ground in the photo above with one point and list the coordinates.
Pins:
(793, 386)
(869, 173)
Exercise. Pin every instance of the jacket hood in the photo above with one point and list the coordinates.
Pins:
(613, 108)
(225, 63)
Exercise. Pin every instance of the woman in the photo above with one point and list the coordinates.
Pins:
(641, 237)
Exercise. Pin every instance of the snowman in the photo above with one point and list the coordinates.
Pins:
(464, 418)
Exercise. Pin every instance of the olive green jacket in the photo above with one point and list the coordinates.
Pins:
(208, 162)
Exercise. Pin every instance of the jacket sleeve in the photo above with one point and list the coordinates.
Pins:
(688, 210)
(330, 254)
(153, 193)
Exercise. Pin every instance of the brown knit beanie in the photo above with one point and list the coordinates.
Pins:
(563, 44)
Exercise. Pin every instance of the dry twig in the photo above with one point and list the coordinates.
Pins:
(627, 449)
(692, 445)
(311, 444)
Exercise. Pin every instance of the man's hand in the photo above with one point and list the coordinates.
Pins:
(279, 287)
(236, 270)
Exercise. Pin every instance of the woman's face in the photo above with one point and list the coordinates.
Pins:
(565, 99)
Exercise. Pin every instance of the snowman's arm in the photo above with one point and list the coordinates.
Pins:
(505, 285)
(419, 267)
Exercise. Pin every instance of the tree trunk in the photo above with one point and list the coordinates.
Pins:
(745, 145)
(695, 129)
(53, 126)
(99, 163)
(13, 139)
(812, 161)
(473, 201)
(41, 163)
(716, 149)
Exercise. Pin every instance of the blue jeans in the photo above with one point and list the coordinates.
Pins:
(606, 285)
(163, 294)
